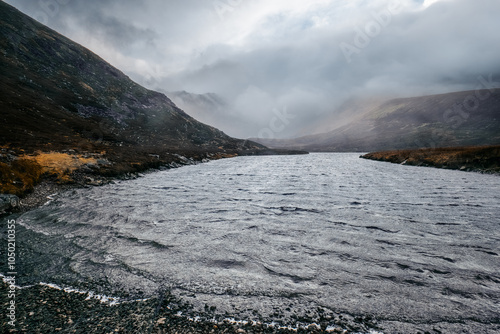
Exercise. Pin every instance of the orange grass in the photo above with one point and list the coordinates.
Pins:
(22, 174)
(60, 164)
(19, 177)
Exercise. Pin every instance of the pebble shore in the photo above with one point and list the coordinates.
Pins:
(44, 309)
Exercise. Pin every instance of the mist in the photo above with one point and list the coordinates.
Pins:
(284, 68)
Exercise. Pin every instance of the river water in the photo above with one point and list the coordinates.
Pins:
(414, 247)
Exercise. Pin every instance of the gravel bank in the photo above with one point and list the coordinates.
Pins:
(44, 309)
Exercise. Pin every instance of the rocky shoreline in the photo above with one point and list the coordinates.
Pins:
(32, 182)
(50, 185)
(482, 159)
(45, 309)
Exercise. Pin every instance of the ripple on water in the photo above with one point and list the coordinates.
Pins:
(333, 230)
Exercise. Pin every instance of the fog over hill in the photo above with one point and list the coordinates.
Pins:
(211, 109)
(308, 57)
(453, 119)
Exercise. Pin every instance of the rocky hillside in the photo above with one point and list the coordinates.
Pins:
(453, 119)
(54, 92)
(58, 97)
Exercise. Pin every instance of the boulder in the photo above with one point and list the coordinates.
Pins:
(8, 202)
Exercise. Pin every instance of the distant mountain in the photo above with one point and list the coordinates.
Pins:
(56, 94)
(344, 114)
(444, 120)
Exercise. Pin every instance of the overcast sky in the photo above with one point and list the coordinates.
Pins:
(305, 57)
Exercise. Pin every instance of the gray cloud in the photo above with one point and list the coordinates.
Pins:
(310, 59)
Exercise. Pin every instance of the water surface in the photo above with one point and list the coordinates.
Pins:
(405, 244)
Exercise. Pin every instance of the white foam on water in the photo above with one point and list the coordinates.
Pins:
(112, 301)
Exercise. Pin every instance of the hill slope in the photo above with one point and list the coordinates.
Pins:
(57, 94)
(453, 119)
(67, 113)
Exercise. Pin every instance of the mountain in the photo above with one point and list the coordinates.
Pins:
(444, 120)
(67, 116)
(56, 94)
(344, 114)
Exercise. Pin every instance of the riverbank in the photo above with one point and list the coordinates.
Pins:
(32, 178)
(483, 159)
(34, 175)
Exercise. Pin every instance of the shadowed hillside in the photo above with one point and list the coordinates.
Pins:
(56, 93)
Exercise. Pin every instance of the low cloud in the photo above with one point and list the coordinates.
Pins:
(307, 57)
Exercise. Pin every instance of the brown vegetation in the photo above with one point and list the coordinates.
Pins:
(470, 158)
(21, 172)
(60, 164)
(19, 176)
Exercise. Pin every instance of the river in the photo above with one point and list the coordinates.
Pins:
(281, 235)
